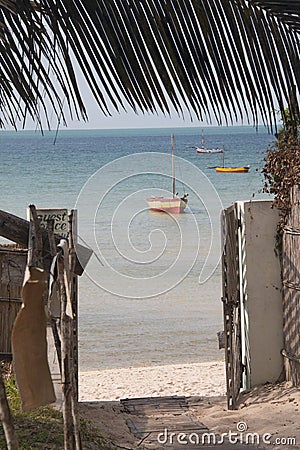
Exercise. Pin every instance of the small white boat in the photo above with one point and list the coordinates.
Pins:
(203, 150)
(208, 150)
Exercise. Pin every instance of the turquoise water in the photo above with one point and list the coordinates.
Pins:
(143, 304)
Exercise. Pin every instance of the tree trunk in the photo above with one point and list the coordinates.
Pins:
(6, 419)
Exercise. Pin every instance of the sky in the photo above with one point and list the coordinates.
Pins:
(122, 119)
(97, 120)
(128, 118)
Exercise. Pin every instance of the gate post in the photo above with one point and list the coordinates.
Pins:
(231, 304)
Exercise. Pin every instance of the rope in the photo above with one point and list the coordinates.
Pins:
(291, 230)
(291, 285)
(290, 356)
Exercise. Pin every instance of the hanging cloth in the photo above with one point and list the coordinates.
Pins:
(29, 343)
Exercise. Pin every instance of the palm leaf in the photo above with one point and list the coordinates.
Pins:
(221, 59)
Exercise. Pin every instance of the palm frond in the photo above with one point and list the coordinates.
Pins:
(221, 59)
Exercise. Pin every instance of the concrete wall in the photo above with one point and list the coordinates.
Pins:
(263, 302)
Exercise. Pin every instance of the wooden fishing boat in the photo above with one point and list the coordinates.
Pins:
(174, 204)
(224, 169)
(202, 150)
(205, 151)
(233, 169)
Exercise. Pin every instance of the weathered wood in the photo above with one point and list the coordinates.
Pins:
(6, 419)
(16, 230)
(231, 306)
(72, 224)
(150, 417)
(70, 406)
(74, 337)
(12, 269)
(66, 363)
(35, 241)
(54, 325)
(291, 290)
(155, 405)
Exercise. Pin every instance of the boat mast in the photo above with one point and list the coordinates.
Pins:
(202, 139)
(223, 156)
(173, 166)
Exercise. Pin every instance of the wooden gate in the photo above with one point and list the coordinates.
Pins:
(231, 303)
(291, 290)
(12, 269)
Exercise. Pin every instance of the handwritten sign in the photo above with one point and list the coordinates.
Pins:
(60, 217)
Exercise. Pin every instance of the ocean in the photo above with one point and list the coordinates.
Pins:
(151, 293)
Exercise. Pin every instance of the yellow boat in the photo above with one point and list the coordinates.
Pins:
(233, 169)
(225, 169)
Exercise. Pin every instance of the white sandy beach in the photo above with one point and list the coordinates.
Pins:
(188, 379)
(271, 410)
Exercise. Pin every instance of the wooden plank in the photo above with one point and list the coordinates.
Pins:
(13, 266)
(148, 411)
(155, 409)
(143, 400)
(12, 269)
(16, 230)
(155, 405)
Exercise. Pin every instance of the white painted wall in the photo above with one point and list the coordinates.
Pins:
(263, 302)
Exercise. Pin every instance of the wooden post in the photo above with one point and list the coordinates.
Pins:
(6, 419)
(65, 363)
(74, 368)
(74, 290)
(54, 327)
(35, 246)
(70, 407)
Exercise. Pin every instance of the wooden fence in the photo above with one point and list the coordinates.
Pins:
(231, 305)
(12, 268)
(291, 290)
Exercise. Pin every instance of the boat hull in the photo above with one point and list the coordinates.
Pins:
(232, 169)
(171, 205)
(205, 151)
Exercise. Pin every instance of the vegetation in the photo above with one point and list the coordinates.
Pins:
(223, 59)
(282, 165)
(42, 429)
